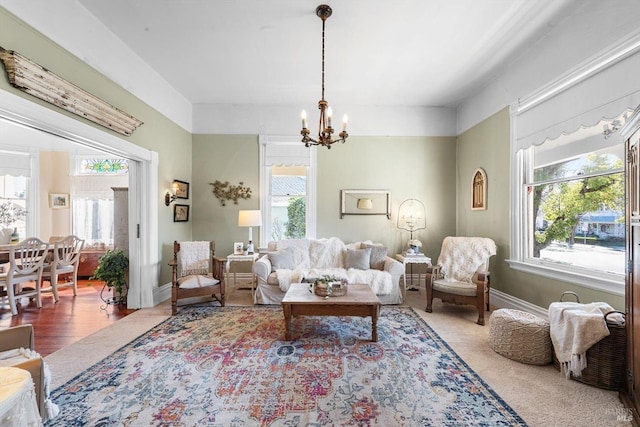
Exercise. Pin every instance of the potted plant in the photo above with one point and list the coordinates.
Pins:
(112, 270)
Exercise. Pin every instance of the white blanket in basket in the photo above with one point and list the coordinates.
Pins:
(575, 328)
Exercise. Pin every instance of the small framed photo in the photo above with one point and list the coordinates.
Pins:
(58, 201)
(180, 213)
(181, 189)
(238, 248)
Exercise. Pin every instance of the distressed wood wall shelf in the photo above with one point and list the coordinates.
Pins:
(37, 81)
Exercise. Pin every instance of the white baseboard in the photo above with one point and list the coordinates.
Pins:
(161, 293)
(502, 300)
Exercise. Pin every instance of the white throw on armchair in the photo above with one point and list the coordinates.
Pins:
(462, 273)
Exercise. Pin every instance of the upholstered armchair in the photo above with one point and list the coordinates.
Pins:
(196, 272)
(462, 273)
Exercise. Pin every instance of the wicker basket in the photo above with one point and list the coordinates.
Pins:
(606, 359)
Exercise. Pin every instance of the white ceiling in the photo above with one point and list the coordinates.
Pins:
(378, 52)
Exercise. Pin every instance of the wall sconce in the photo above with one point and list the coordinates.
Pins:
(365, 204)
(169, 197)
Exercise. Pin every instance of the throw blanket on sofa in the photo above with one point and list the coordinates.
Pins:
(575, 328)
(380, 282)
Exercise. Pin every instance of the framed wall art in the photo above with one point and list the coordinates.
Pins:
(58, 201)
(238, 248)
(181, 189)
(479, 190)
(365, 202)
(180, 213)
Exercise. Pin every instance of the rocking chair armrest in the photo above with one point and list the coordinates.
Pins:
(219, 268)
(481, 277)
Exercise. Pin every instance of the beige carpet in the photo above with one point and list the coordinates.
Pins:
(539, 394)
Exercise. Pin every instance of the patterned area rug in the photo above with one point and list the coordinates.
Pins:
(211, 366)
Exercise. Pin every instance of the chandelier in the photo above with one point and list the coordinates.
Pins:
(325, 130)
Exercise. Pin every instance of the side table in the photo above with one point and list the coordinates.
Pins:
(412, 259)
(234, 259)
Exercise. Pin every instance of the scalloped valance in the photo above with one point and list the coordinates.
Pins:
(602, 88)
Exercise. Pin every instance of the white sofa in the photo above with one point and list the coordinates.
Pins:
(292, 261)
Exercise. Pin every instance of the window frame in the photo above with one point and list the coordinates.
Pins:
(521, 174)
(298, 155)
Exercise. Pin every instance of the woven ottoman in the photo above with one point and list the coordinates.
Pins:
(520, 336)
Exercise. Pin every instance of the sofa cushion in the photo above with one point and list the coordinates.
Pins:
(378, 255)
(300, 249)
(282, 259)
(327, 253)
(358, 258)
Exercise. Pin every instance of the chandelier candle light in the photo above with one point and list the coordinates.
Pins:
(325, 130)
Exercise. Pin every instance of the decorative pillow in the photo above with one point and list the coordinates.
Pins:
(196, 281)
(283, 259)
(378, 255)
(358, 258)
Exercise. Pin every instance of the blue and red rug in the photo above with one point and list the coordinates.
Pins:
(230, 366)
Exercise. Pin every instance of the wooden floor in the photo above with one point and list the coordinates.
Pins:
(59, 324)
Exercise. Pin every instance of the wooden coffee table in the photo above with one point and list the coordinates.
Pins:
(359, 301)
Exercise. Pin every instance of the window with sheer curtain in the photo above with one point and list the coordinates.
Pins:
(92, 198)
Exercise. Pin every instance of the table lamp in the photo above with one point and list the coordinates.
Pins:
(411, 217)
(250, 218)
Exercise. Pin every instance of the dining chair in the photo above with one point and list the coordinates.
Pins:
(26, 260)
(64, 261)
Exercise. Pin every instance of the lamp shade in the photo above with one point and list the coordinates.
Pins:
(365, 204)
(411, 215)
(252, 218)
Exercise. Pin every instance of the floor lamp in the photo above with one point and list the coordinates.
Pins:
(250, 218)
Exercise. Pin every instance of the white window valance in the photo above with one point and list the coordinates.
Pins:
(600, 89)
(285, 151)
(15, 163)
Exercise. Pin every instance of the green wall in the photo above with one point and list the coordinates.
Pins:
(233, 158)
(486, 145)
(409, 167)
(172, 143)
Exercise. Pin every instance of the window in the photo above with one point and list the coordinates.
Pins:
(577, 210)
(15, 181)
(13, 203)
(287, 189)
(566, 156)
(288, 202)
(92, 197)
(571, 225)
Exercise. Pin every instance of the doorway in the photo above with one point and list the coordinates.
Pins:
(143, 244)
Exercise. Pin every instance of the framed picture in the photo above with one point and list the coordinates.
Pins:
(181, 188)
(365, 202)
(58, 201)
(237, 248)
(479, 190)
(180, 213)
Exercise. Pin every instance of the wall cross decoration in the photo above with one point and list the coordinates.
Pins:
(225, 191)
